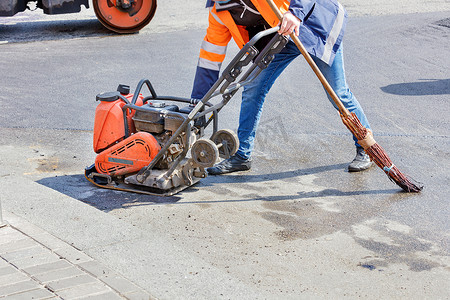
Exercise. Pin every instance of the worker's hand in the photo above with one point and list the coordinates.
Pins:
(289, 24)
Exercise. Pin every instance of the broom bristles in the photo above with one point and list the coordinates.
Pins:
(378, 155)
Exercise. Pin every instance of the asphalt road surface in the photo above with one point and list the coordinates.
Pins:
(297, 224)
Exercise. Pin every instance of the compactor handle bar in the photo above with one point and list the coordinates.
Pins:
(247, 54)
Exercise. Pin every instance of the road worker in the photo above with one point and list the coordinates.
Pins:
(320, 26)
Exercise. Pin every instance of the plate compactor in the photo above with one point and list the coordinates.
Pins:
(155, 144)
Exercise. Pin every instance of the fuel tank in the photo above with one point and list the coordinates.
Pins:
(109, 124)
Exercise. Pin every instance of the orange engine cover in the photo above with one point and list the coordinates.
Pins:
(109, 125)
(129, 155)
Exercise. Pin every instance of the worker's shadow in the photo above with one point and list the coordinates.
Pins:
(419, 88)
(246, 177)
(223, 180)
(52, 30)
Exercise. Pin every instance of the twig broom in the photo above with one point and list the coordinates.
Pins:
(351, 121)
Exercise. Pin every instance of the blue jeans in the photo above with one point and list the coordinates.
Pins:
(254, 94)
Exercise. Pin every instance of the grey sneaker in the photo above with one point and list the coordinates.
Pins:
(232, 164)
(361, 162)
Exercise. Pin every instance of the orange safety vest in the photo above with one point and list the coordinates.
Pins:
(222, 28)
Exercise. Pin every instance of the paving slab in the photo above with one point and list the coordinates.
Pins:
(36, 294)
(13, 277)
(31, 269)
(18, 287)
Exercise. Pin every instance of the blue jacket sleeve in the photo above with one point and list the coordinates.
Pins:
(204, 80)
(300, 8)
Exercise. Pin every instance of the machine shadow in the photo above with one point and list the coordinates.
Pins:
(52, 30)
(77, 187)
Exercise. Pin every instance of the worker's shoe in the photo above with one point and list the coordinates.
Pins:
(361, 162)
(232, 164)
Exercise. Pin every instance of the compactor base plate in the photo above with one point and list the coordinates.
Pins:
(115, 184)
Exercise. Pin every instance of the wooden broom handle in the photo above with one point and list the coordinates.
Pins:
(312, 64)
